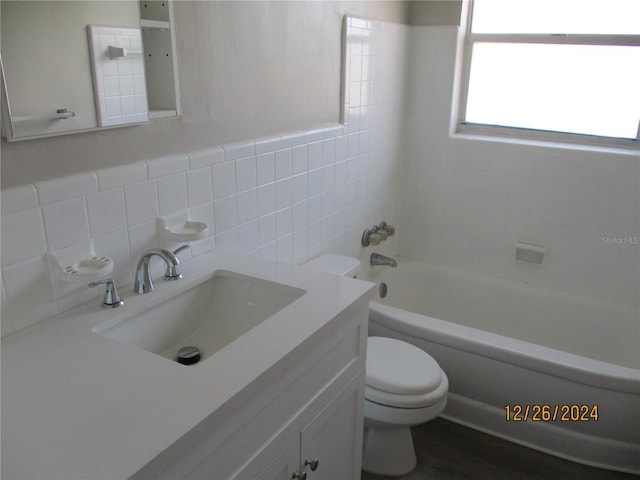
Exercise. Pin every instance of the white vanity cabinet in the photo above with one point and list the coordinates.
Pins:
(333, 439)
(78, 403)
(308, 406)
(325, 448)
(285, 465)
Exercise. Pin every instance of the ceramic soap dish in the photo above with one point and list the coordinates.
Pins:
(88, 268)
(179, 228)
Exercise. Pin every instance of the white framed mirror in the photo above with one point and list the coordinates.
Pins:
(47, 58)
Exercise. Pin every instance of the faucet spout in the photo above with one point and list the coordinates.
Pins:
(143, 280)
(377, 259)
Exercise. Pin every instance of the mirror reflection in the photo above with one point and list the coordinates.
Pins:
(49, 50)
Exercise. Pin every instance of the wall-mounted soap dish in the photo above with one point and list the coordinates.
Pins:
(72, 268)
(179, 228)
(88, 268)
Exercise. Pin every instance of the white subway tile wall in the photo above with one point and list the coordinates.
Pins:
(466, 201)
(287, 197)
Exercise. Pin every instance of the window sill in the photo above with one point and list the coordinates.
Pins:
(541, 139)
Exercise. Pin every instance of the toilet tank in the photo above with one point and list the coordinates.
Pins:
(336, 264)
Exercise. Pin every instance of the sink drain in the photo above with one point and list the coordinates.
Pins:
(188, 355)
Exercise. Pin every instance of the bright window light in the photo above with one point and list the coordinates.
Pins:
(569, 66)
(582, 89)
(557, 16)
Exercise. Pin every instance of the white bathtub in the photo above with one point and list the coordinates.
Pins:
(506, 345)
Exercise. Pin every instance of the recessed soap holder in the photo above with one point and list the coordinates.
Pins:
(87, 268)
(179, 228)
(529, 252)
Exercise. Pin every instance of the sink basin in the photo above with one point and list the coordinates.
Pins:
(208, 316)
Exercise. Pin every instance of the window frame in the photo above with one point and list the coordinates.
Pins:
(470, 38)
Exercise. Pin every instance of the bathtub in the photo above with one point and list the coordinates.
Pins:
(569, 364)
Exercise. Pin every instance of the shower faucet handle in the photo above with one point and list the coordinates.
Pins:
(377, 234)
(390, 229)
(371, 236)
(375, 238)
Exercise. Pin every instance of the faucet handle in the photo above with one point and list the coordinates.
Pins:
(171, 272)
(375, 238)
(372, 236)
(390, 229)
(181, 248)
(111, 297)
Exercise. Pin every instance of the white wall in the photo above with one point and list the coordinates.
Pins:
(288, 196)
(467, 201)
(435, 12)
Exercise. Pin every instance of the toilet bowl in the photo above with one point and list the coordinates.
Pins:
(404, 387)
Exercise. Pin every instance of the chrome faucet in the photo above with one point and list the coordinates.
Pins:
(143, 282)
(377, 259)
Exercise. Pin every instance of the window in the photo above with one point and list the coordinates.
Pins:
(553, 69)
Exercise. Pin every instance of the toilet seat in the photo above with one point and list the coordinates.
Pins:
(401, 375)
(408, 401)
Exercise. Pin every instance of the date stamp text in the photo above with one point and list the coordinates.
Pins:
(551, 413)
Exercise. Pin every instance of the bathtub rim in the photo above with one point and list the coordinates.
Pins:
(539, 358)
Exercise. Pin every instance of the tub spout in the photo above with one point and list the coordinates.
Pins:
(377, 259)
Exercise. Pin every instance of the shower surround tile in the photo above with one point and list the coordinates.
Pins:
(468, 199)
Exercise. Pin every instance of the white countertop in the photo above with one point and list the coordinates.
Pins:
(79, 405)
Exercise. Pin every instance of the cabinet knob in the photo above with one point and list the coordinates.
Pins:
(301, 476)
(313, 463)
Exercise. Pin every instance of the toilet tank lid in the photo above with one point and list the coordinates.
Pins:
(336, 264)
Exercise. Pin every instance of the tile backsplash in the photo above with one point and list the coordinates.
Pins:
(287, 197)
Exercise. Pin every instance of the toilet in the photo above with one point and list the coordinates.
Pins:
(404, 387)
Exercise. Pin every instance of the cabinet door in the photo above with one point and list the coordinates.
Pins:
(285, 464)
(334, 438)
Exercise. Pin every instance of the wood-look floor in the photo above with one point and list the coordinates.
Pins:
(448, 451)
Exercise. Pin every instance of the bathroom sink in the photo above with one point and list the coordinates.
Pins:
(208, 316)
